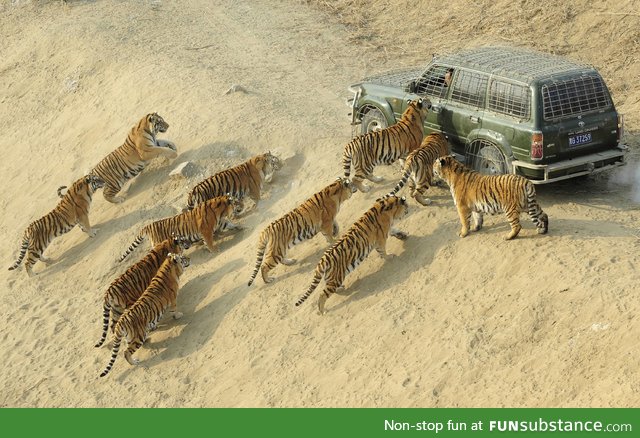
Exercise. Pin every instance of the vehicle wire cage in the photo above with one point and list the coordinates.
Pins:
(522, 65)
(396, 77)
(510, 99)
(579, 95)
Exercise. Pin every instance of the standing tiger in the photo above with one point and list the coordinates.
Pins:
(418, 168)
(385, 146)
(475, 194)
(131, 158)
(72, 209)
(195, 225)
(126, 289)
(369, 232)
(318, 213)
(246, 178)
(143, 316)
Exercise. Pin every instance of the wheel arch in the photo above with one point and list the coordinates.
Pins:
(480, 138)
(491, 136)
(381, 105)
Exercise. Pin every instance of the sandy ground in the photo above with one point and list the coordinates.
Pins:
(477, 322)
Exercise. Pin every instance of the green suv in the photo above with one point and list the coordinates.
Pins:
(505, 110)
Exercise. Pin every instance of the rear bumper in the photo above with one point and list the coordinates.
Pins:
(585, 165)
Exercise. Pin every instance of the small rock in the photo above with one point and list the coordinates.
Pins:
(235, 88)
(184, 170)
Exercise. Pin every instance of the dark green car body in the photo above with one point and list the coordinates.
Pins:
(505, 110)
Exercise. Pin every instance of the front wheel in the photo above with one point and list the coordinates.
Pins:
(373, 120)
(486, 158)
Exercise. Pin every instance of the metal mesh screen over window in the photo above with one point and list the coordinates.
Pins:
(470, 88)
(510, 99)
(575, 96)
(432, 82)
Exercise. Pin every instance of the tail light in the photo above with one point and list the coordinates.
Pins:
(536, 145)
(620, 127)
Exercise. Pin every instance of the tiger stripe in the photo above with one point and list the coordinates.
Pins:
(136, 321)
(475, 194)
(418, 167)
(126, 289)
(128, 160)
(385, 146)
(72, 209)
(195, 225)
(316, 214)
(366, 234)
(239, 181)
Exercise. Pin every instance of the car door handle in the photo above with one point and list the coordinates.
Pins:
(474, 119)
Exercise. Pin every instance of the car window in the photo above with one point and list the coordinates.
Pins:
(470, 88)
(432, 83)
(510, 99)
(574, 96)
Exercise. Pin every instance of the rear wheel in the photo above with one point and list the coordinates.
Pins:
(373, 120)
(486, 158)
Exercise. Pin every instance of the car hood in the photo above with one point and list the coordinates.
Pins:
(396, 78)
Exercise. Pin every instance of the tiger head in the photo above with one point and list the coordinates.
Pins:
(94, 182)
(179, 259)
(445, 167)
(236, 203)
(397, 206)
(179, 243)
(344, 188)
(421, 105)
(156, 124)
(271, 164)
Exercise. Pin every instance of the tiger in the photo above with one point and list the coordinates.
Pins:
(385, 146)
(126, 289)
(143, 316)
(72, 209)
(475, 194)
(418, 167)
(130, 159)
(195, 225)
(369, 232)
(246, 178)
(318, 213)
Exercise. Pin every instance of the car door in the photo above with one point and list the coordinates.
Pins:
(461, 113)
(432, 85)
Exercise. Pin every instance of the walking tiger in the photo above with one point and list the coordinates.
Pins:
(475, 194)
(366, 234)
(318, 213)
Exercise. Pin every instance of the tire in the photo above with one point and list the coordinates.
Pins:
(486, 157)
(373, 120)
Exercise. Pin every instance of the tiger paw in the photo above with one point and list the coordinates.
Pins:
(265, 275)
(288, 262)
(423, 201)
(115, 199)
(463, 233)
(177, 315)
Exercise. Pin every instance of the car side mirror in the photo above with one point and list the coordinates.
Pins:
(412, 86)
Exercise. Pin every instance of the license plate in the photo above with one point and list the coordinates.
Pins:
(579, 139)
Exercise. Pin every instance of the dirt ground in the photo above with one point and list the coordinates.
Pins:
(541, 321)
